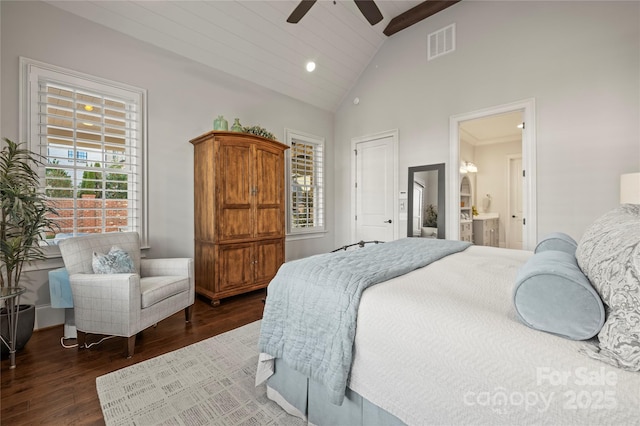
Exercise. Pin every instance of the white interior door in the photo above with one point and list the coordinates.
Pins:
(514, 231)
(374, 190)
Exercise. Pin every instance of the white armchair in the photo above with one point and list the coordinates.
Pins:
(124, 304)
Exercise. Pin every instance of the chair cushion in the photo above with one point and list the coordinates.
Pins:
(156, 289)
(117, 261)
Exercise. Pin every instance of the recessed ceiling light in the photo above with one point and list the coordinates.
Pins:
(311, 66)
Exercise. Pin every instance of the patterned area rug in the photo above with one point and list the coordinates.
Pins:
(208, 383)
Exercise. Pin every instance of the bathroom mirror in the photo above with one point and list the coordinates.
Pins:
(426, 205)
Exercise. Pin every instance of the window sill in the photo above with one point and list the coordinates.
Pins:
(53, 260)
(50, 262)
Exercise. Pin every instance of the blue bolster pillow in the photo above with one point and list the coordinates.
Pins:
(557, 241)
(553, 295)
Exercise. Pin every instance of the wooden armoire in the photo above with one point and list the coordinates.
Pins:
(239, 196)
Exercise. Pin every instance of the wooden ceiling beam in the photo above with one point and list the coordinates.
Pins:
(417, 14)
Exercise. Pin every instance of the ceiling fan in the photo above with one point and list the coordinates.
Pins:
(367, 7)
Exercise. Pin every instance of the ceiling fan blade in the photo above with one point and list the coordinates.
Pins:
(300, 11)
(369, 10)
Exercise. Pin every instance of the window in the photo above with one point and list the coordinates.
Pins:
(91, 134)
(81, 155)
(306, 183)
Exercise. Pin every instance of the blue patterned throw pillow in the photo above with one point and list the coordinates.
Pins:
(609, 255)
(117, 261)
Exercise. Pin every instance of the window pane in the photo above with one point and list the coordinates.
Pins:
(91, 171)
(306, 186)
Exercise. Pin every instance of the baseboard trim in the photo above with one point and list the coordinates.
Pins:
(46, 317)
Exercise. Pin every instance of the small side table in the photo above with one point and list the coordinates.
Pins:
(11, 296)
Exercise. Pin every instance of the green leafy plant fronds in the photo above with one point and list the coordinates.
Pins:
(26, 212)
(259, 131)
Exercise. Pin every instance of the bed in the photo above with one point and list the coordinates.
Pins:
(443, 344)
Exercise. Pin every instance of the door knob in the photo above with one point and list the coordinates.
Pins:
(513, 216)
(387, 221)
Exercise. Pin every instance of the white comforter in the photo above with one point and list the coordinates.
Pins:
(442, 345)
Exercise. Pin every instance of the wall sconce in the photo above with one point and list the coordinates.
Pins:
(630, 188)
(468, 167)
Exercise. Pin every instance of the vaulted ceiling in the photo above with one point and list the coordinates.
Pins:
(253, 41)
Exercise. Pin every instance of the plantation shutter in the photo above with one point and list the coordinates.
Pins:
(306, 186)
(90, 135)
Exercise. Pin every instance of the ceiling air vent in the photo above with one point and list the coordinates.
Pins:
(441, 42)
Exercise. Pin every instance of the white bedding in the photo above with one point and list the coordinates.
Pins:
(442, 345)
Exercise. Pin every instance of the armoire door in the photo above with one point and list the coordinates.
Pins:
(269, 255)
(235, 266)
(235, 191)
(269, 192)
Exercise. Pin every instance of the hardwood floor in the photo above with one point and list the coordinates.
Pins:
(57, 386)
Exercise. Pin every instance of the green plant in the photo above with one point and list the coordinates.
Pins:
(91, 181)
(259, 131)
(26, 212)
(116, 185)
(59, 183)
(431, 216)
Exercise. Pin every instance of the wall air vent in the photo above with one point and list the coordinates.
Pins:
(441, 42)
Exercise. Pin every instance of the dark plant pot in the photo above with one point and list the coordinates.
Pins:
(26, 320)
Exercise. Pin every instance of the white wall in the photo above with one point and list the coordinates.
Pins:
(492, 178)
(579, 60)
(183, 99)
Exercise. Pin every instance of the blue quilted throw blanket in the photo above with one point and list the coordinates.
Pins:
(312, 305)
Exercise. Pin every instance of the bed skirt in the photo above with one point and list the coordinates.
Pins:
(303, 397)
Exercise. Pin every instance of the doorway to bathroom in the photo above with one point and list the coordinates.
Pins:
(493, 155)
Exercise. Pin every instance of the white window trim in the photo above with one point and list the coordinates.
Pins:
(315, 232)
(26, 127)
